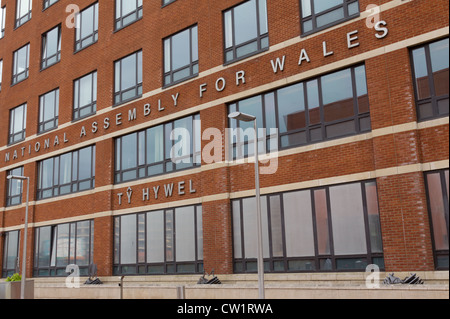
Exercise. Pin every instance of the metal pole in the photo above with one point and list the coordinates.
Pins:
(260, 260)
(24, 253)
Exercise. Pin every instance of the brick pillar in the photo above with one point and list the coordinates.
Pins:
(401, 190)
(217, 235)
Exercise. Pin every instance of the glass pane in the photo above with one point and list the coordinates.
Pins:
(306, 8)
(128, 239)
(237, 243)
(361, 89)
(329, 17)
(263, 27)
(250, 230)
(439, 64)
(347, 215)
(87, 22)
(228, 29)
(185, 233)
(52, 42)
(62, 247)
(373, 217)
(291, 108)
(44, 246)
(312, 88)
(439, 215)
(141, 238)
(298, 224)
(181, 49)
(83, 243)
(421, 74)
(199, 232)
(321, 5)
(85, 162)
(337, 94)
(245, 22)
(128, 72)
(65, 168)
(276, 226)
(321, 211)
(247, 49)
(129, 151)
(169, 236)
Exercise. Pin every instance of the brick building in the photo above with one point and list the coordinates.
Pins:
(118, 115)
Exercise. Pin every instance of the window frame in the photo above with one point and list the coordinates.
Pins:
(313, 16)
(240, 265)
(444, 188)
(74, 183)
(76, 109)
(42, 99)
(433, 99)
(138, 87)
(194, 154)
(19, 21)
(170, 267)
(44, 49)
(192, 64)
(5, 271)
(22, 132)
(2, 21)
(48, 3)
(267, 141)
(234, 47)
(119, 21)
(60, 270)
(78, 46)
(9, 198)
(15, 66)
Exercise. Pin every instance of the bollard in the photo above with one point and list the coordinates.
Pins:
(181, 292)
(121, 287)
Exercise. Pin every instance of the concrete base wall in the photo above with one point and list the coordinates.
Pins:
(282, 286)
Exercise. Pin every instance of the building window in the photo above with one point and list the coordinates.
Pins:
(181, 56)
(51, 47)
(2, 21)
(68, 173)
(437, 185)
(317, 15)
(166, 2)
(11, 253)
(17, 124)
(331, 106)
(127, 12)
(333, 228)
(23, 11)
(14, 188)
(21, 61)
(48, 3)
(431, 79)
(246, 30)
(48, 111)
(61, 245)
(128, 78)
(87, 31)
(85, 96)
(167, 241)
(1, 73)
(161, 149)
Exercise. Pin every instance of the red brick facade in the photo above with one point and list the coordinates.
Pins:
(406, 231)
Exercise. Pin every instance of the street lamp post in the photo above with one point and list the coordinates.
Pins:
(260, 261)
(24, 253)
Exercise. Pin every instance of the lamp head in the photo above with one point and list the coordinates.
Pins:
(242, 117)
